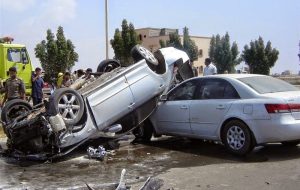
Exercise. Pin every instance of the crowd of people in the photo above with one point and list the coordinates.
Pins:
(67, 79)
(15, 88)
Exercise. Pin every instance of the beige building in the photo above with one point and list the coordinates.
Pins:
(150, 38)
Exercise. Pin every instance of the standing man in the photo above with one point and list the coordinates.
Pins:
(209, 69)
(14, 87)
(37, 86)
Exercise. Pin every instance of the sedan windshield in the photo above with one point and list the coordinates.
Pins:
(265, 84)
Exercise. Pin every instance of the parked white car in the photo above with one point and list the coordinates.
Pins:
(240, 110)
(111, 105)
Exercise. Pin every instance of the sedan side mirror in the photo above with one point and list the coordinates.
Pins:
(163, 98)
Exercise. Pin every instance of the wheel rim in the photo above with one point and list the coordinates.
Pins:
(16, 111)
(68, 106)
(110, 67)
(147, 54)
(236, 137)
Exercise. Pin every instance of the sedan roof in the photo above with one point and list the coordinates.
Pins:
(235, 76)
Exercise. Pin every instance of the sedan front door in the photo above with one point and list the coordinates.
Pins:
(112, 101)
(172, 116)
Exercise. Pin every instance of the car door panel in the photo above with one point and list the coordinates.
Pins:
(213, 100)
(173, 117)
(206, 116)
(144, 84)
(111, 101)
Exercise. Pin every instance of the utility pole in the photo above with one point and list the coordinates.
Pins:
(299, 51)
(106, 29)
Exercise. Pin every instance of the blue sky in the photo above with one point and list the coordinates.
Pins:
(83, 23)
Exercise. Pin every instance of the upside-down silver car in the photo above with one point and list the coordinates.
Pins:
(240, 110)
(111, 105)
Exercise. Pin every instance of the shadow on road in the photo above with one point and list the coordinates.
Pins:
(212, 153)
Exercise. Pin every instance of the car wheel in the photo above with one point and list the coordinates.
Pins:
(69, 104)
(139, 52)
(144, 132)
(290, 143)
(236, 137)
(108, 65)
(14, 108)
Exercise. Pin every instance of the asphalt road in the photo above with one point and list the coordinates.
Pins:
(180, 163)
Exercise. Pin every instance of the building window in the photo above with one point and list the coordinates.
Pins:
(145, 36)
(200, 52)
(140, 37)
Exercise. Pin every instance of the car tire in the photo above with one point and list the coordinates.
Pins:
(69, 104)
(290, 143)
(108, 65)
(144, 132)
(237, 138)
(138, 53)
(13, 109)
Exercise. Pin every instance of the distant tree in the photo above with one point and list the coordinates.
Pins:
(189, 46)
(260, 58)
(123, 42)
(118, 46)
(212, 47)
(133, 36)
(174, 41)
(56, 55)
(224, 55)
(162, 43)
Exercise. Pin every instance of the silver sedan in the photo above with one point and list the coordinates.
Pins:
(240, 110)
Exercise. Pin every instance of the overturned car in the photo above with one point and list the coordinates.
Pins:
(113, 104)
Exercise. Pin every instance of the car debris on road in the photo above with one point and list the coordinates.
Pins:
(97, 153)
(150, 183)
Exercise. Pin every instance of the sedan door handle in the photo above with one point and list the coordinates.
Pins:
(184, 107)
(220, 107)
(131, 106)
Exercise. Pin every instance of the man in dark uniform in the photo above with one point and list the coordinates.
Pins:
(14, 87)
(37, 87)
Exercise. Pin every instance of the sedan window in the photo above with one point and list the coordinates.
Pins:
(183, 92)
(266, 84)
(230, 92)
(217, 89)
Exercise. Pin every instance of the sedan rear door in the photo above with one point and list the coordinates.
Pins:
(213, 99)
